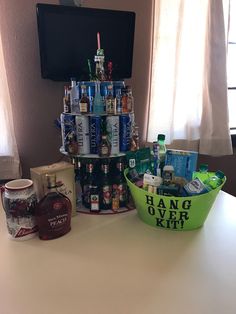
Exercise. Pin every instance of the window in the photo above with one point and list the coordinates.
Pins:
(231, 67)
(9, 158)
(188, 90)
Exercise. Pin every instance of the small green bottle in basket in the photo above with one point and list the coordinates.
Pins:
(214, 180)
(202, 173)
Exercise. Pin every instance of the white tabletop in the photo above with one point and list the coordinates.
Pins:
(116, 264)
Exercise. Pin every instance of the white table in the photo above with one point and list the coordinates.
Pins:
(116, 264)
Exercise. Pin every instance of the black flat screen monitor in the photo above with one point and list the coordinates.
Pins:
(68, 38)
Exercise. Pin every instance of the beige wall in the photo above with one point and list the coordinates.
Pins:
(37, 102)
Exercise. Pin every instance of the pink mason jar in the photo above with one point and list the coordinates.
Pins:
(19, 202)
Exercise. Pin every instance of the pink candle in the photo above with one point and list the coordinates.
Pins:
(98, 40)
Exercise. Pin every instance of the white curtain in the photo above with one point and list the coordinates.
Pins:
(9, 158)
(188, 92)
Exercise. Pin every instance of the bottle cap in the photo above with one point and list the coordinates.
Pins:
(161, 137)
(203, 167)
(168, 168)
(100, 52)
(220, 174)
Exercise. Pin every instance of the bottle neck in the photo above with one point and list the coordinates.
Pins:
(52, 189)
(51, 182)
(161, 142)
(73, 83)
(105, 169)
(89, 168)
(120, 166)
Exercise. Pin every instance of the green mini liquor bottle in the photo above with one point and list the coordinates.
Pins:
(202, 173)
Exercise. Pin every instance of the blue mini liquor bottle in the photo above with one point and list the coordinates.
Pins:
(98, 105)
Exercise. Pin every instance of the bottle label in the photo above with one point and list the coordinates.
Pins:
(83, 107)
(115, 198)
(104, 150)
(57, 222)
(87, 188)
(122, 192)
(195, 187)
(110, 106)
(115, 203)
(94, 202)
(118, 105)
(106, 194)
(129, 104)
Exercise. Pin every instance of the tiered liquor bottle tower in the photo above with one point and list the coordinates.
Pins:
(98, 128)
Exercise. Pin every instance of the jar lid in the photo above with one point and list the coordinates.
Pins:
(18, 184)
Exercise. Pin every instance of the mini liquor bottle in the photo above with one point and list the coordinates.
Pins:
(118, 101)
(66, 100)
(110, 101)
(104, 146)
(202, 173)
(74, 96)
(98, 107)
(124, 100)
(53, 212)
(130, 99)
(134, 139)
(214, 180)
(84, 101)
(106, 186)
(90, 188)
(78, 185)
(109, 71)
(161, 150)
(99, 61)
(120, 184)
(90, 70)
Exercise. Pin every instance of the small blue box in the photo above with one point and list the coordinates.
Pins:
(184, 162)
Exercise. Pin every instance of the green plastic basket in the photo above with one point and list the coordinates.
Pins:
(170, 212)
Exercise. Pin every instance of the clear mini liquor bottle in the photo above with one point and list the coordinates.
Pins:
(98, 107)
(99, 60)
(110, 101)
(118, 101)
(66, 100)
(74, 96)
(53, 212)
(130, 99)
